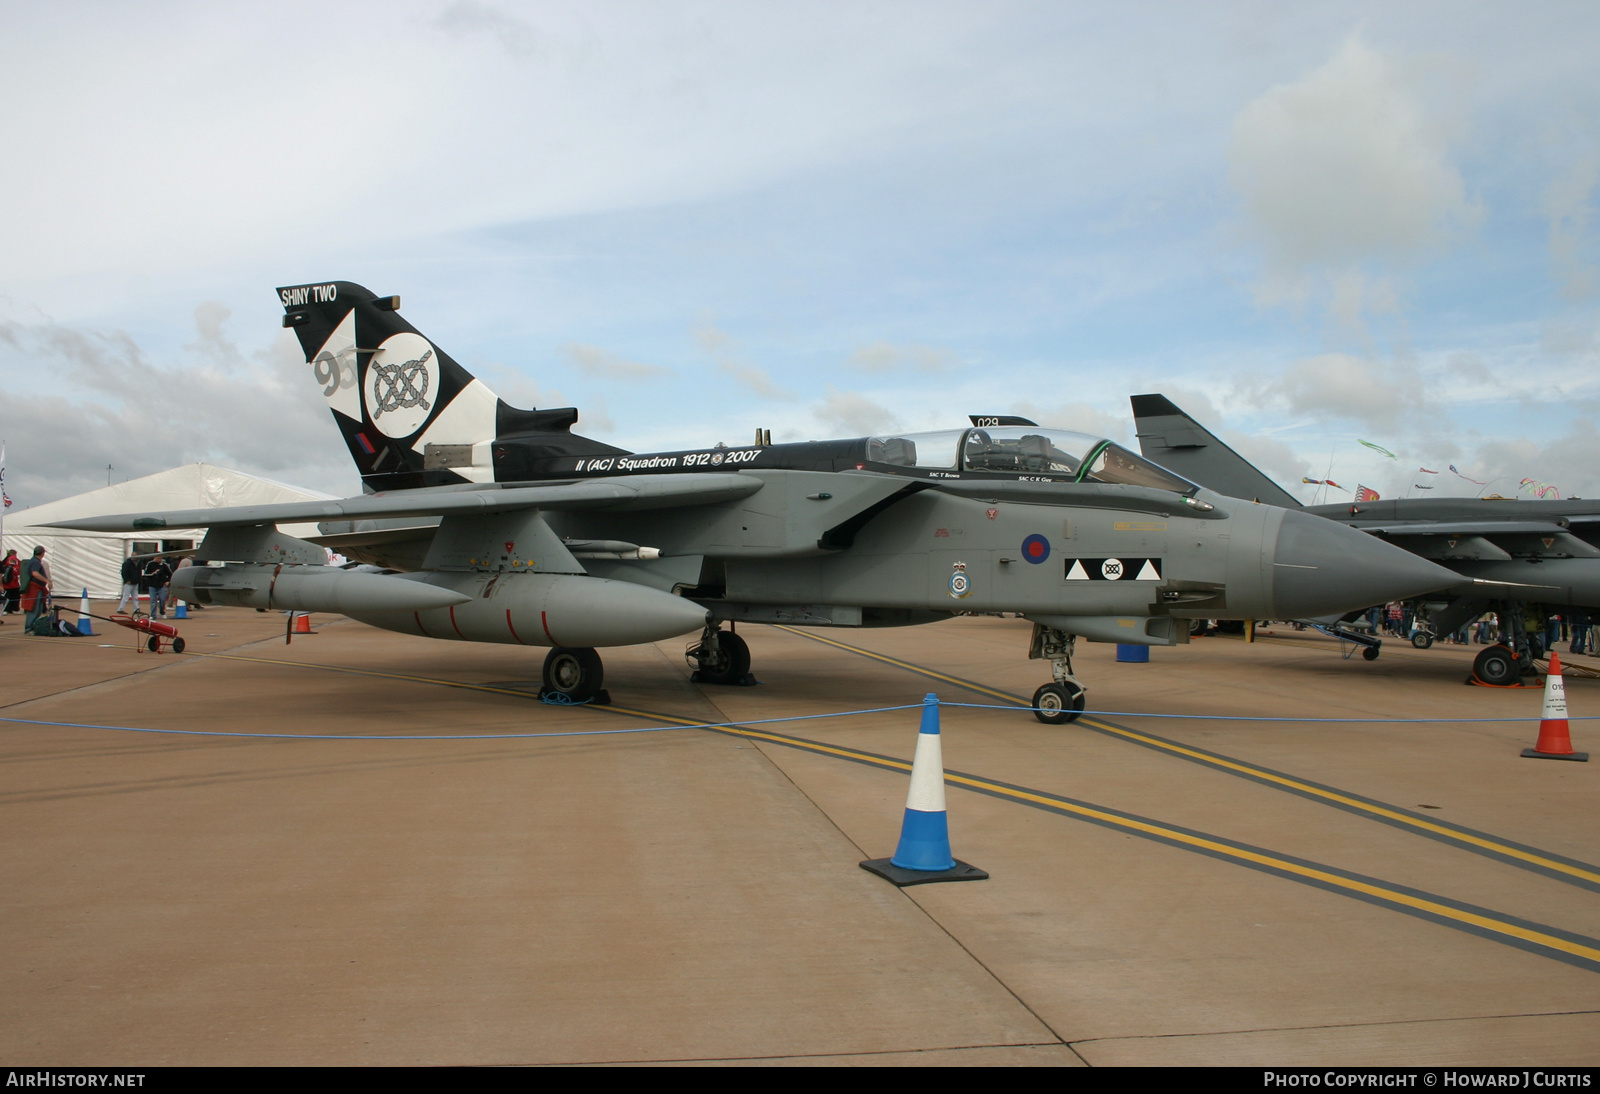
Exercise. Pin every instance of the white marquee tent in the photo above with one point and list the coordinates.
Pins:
(93, 560)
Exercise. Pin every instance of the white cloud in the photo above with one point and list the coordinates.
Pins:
(852, 414)
(1566, 203)
(883, 356)
(724, 349)
(1341, 169)
(1339, 385)
(1570, 462)
(1345, 165)
(254, 411)
(600, 364)
(466, 18)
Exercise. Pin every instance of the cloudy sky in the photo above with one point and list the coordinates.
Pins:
(1310, 225)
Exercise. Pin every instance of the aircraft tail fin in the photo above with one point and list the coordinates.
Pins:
(410, 415)
(1179, 443)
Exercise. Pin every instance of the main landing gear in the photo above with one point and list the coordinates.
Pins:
(1061, 702)
(1505, 662)
(1497, 665)
(573, 674)
(720, 657)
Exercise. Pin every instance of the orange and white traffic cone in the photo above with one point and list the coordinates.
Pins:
(1555, 742)
(302, 623)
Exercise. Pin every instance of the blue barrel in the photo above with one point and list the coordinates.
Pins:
(1134, 655)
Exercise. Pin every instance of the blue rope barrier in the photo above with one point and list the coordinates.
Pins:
(1262, 718)
(1019, 708)
(561, 699)
(463, 736)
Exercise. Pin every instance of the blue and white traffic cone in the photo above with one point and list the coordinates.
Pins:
(924, 851)
(85, 624)
(183, 610)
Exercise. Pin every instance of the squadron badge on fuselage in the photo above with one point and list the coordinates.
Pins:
(960, 583)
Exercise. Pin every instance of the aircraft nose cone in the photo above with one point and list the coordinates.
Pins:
(1320, 567)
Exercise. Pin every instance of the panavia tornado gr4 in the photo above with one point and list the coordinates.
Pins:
(1510, 556)
(494, 524)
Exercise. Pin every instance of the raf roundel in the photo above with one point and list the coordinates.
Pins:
(1036, 548)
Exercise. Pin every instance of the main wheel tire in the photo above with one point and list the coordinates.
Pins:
(177, 645)
(1422, 640)
(575, 672)
(1496, 665)
(1370, 653)
(153, 644)
(728, 664)
(1058, 704)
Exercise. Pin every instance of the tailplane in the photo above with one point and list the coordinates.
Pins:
(409, 413)
(1177, 442)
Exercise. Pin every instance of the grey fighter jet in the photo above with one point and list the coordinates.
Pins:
(1510, 554)
(494, 524)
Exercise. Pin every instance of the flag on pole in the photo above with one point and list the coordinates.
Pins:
(1366, 493)
(3, 493)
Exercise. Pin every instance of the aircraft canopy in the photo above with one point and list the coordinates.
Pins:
(1059, 453)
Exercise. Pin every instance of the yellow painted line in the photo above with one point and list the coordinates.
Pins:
(895, 661)
(1310, 789)
(1478, 920)
(1212, 759)
(1474, 919)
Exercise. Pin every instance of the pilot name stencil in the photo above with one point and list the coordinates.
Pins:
(1113, 569)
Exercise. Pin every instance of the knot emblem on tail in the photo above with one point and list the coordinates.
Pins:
(395, 387)
(402, 384)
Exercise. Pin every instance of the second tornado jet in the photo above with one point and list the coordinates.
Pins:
(1507, 553)
(505, 526)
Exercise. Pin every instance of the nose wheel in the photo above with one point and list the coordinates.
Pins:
(1057, 703)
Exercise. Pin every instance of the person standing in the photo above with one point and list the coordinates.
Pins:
(35, 583)
(130, 584)
(11, 581)
(157, 573)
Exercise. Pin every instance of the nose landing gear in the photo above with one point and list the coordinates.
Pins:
(1057, 703)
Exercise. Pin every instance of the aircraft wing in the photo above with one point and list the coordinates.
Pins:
(624, 493)
(1464, 528)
